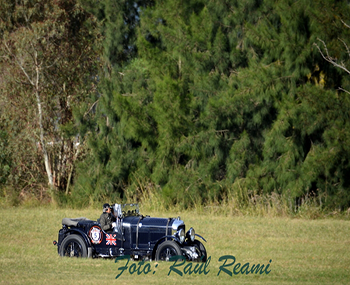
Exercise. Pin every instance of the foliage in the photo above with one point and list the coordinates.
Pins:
(49, 58)
(199, 102)
(222, 97)
(5, 155)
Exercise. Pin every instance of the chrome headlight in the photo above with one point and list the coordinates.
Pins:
(181, 235)
(191, 234)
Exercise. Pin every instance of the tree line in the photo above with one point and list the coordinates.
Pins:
(195, 101)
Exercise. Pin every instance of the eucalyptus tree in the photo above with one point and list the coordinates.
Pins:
(49, 57)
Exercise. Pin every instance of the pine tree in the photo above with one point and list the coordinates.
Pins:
(297, 156)
(220, 97)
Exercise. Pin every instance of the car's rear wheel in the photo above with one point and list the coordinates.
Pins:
(73, 246)
(201, 249)
(167, 250)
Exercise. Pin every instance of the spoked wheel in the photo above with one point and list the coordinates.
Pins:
(73, 246)
(201, 251)
(167, 250)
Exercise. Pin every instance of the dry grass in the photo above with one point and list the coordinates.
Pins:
(302, 251)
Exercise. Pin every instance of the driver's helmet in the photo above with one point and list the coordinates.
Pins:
(106, 206)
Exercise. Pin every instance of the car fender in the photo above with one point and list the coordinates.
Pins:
(201, 237)
(81, 233)
(161, 240)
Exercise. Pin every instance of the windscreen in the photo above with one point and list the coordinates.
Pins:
(130, 210)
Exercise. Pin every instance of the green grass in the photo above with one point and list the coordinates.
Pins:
(302, 251)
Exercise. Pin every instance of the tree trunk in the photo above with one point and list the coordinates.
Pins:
(42, 141)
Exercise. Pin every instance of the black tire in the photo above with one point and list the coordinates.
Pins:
(168, 249)
(73, 246)
(201, 250)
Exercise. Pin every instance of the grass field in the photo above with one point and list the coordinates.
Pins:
(301, 251)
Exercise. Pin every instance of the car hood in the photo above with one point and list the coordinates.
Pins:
(174, 223)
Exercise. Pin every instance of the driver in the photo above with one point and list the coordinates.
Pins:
(107, 220)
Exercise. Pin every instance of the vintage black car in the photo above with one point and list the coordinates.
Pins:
(140, 237)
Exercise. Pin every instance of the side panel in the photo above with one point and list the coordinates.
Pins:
(104, 243)
(143, 232)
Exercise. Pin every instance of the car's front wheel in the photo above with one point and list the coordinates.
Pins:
(167, 250)
(73, 246)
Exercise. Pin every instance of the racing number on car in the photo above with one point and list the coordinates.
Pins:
(95, 234)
